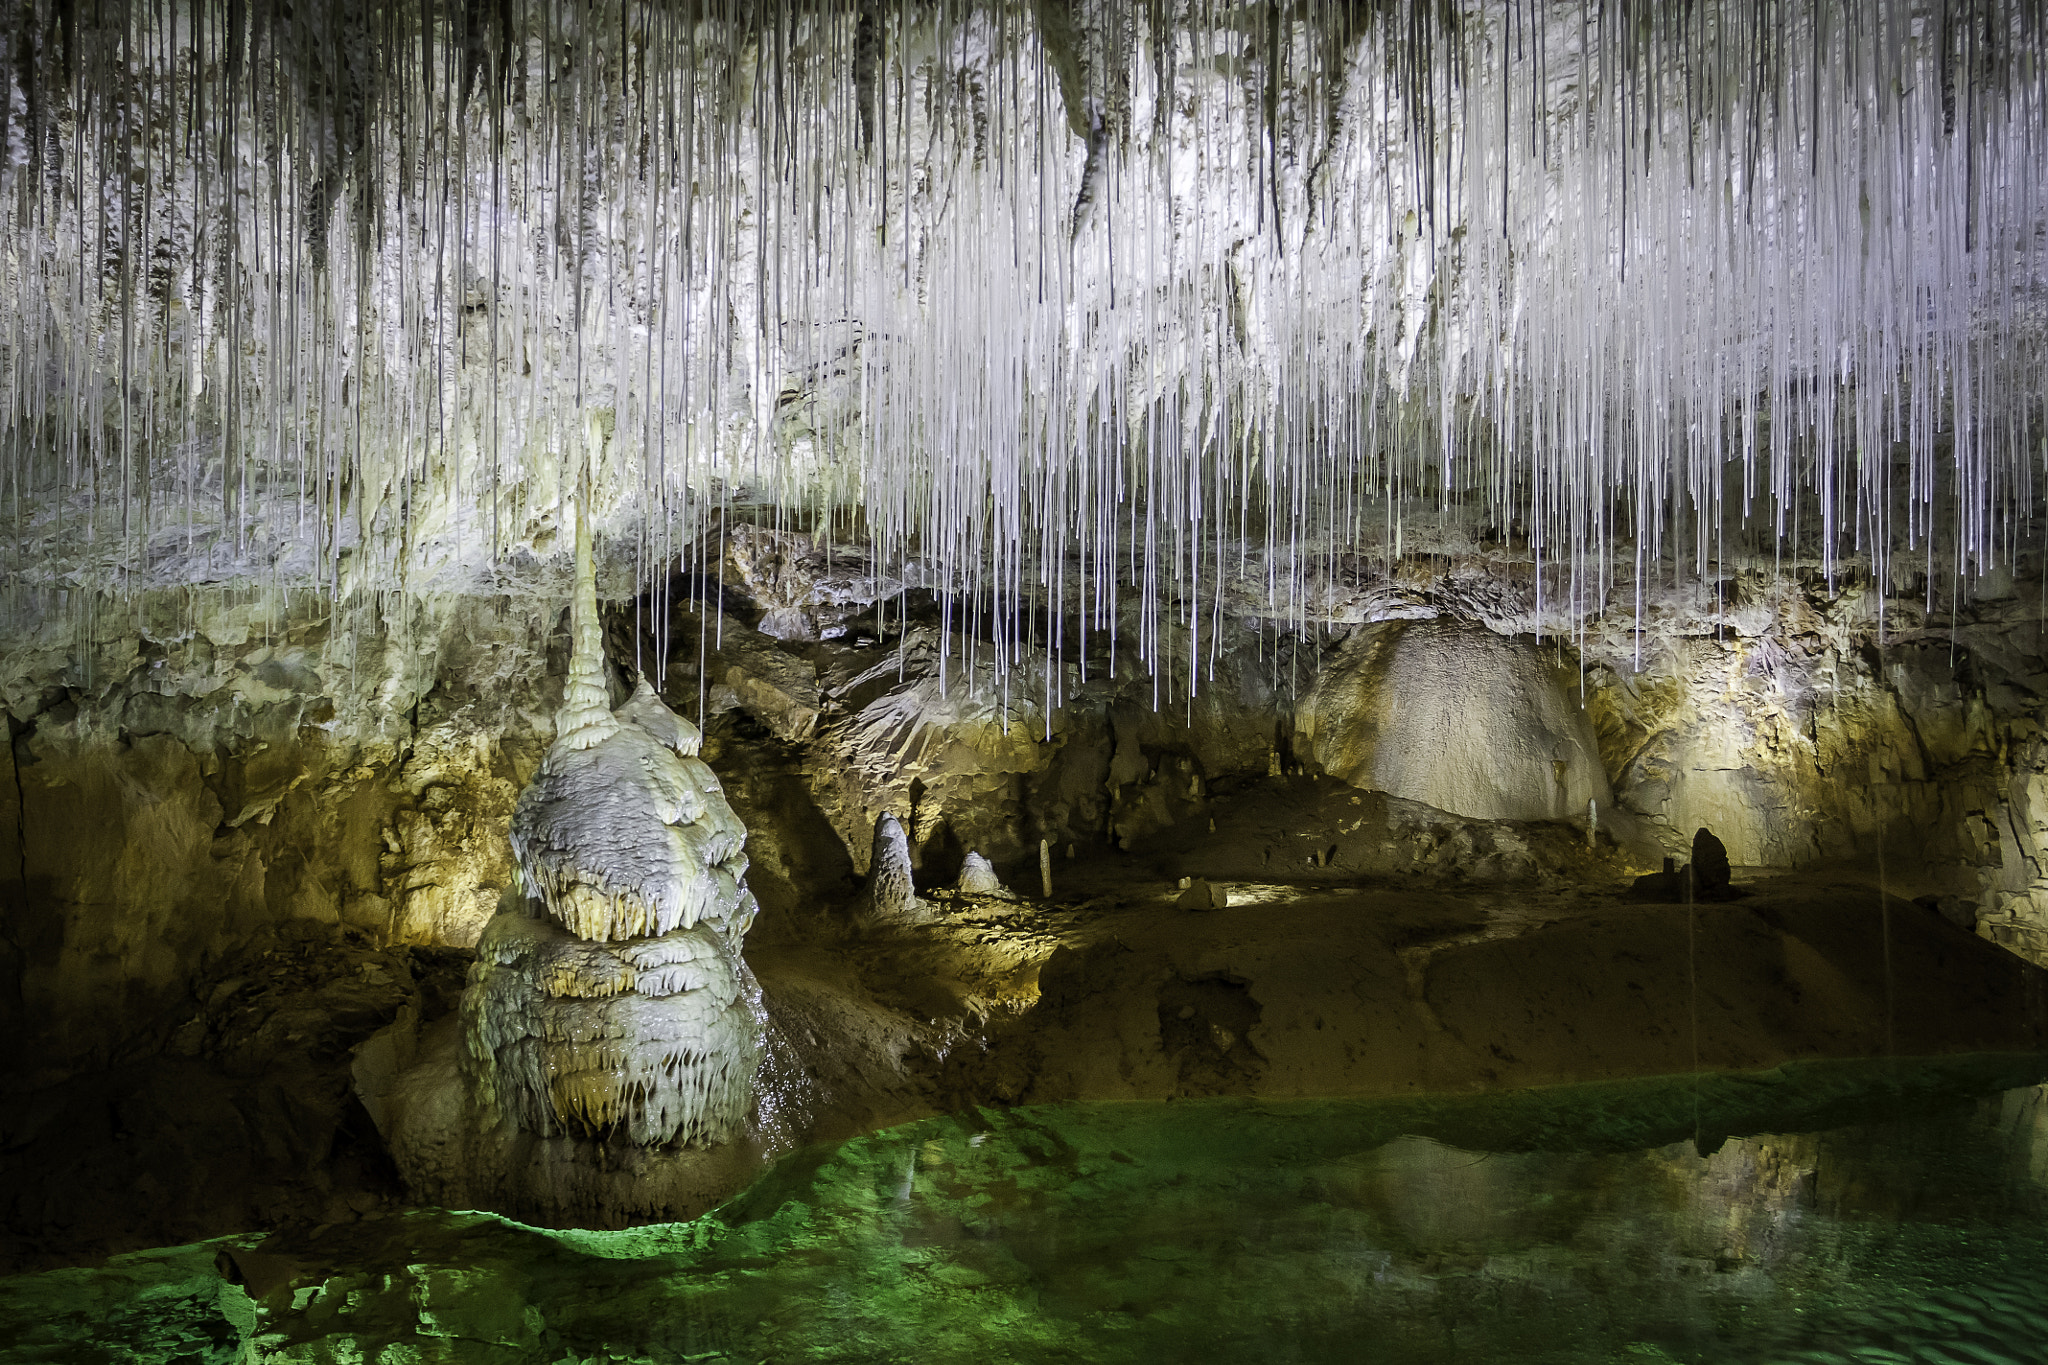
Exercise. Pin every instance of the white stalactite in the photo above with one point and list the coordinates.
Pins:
(1152, 321)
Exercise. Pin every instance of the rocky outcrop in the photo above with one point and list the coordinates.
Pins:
(1801, 722)
(206, 764)
(236, 1111)
(1426, 994)
(1454, 716)
(198, 765)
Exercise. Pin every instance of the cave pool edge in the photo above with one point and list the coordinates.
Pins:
(1871, 1209)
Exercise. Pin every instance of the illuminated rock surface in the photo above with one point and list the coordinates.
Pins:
(1455, 717)
(1813, 751)
(977, 878)
(1403, 468)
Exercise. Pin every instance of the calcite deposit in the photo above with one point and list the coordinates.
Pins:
(890, 897)
(654, 1038)
(1314, 499)
(1457, 717)
(611, 996)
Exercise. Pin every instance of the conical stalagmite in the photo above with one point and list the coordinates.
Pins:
(978, 878)
(891, 895)
(614, 997)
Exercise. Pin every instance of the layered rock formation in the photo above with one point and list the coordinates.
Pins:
(173, 812)
(611, 998)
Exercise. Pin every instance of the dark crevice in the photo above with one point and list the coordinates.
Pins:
(1091, 178)
(13, 955)
(20, 804)
(1061, 38)
(1205, 1025)
(867, 61)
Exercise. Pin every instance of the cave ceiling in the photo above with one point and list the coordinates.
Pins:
(1150, 316)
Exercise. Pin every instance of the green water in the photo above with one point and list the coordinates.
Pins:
(1899, 1211)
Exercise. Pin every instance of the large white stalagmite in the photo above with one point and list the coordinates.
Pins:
(614, 999)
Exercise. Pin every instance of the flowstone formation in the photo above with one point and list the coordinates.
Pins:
(611, 999)
(1458, 717)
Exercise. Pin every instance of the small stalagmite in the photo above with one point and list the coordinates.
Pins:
(1711, 874)
(613, 998)
(978, 877)
(891, 896)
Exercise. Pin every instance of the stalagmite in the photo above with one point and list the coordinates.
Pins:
(978, 878)
(1710, 871)
(613, 997)
(891, 895)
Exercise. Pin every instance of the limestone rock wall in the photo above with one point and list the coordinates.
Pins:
(1801, 732)
(1458, 717)
(188, 768)
(1802, 721)
(1803, 738)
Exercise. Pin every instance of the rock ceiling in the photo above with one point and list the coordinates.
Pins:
(1147, 315)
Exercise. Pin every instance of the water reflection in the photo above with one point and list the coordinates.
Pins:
(1576, 1224)
(1313, 1232)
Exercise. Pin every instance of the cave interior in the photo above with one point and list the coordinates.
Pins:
(715, 680)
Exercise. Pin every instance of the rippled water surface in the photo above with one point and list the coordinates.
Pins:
(1880, 1212)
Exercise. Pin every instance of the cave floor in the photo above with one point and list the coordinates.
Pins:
(1111, 992)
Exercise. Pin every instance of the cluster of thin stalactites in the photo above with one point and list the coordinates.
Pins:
(1129, 315)
(684, 1097)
